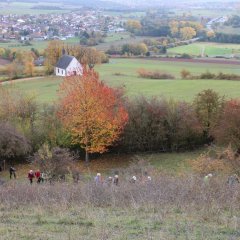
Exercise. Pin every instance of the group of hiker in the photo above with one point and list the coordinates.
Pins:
(112, 180)
(38, 175)
(231, 181)
(115, 179)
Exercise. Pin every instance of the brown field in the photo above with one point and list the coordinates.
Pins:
(4, 61)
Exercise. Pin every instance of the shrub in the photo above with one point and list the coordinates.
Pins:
(228, 129)
(143, 73)
(225, 76)
(12, 143)
(185, 74)
(56, 162)
(208, 107)
(185, 56)
(217, 161)
(158, 125)
(207, 75)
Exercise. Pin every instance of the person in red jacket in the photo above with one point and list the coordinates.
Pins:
(31, 176)
(38, 176)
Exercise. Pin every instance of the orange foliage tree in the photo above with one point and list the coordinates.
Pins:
(92, 112)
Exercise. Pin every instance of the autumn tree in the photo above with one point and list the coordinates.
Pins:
(90, 57)
(174, 28)
(133, 26)
(53, 52)
(85, 55)
(187, 33)
(91, 111)
(208, 106)
(210, 34)
(28, 64)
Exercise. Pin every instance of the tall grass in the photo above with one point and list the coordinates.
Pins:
(187, 193)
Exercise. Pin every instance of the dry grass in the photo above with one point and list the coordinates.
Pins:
(167, 208)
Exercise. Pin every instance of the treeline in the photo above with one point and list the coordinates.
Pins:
(85, 55)
(164, 26)
(129, 49)
(233, 21)
(152, 125)
(22, 62)
(91, 38)
(225, 38)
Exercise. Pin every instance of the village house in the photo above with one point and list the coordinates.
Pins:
(67, 66)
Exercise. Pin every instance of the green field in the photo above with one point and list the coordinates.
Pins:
(113, 37)
(12, 7)
(118, 39)
(123, 72)
(209, 49)
(39, 45)
(126, 15)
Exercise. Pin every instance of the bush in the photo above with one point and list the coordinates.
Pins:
(56, 162)
(185, 74)
(185, 56)
(208, 107)
(217, 161)
(228, 131)
(143, 73)
(207, 75)
(225, 76)
(12, 143)
(158, 125)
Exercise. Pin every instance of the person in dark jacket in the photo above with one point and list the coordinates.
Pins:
(116, 180)
(31, 176)
(12, 172)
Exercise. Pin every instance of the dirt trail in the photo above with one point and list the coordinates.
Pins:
(20, 80)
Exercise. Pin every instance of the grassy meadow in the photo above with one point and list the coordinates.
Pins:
(209, 49)
(12, 7)
(39, 45)
(123, 72)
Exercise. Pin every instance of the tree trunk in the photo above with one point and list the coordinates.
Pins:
(87, 158)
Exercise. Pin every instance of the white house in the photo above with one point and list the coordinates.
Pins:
(67, 66)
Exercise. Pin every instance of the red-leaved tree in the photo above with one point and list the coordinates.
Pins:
(92, 112)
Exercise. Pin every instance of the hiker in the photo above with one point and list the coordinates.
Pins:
(98, 178)
(207, 178)
(38, 176)
(44, 177)
(109, 181)
(116, 180)
(12, 172)
(31, 176)
(133, 179)
(232, 180)
(149, 179)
